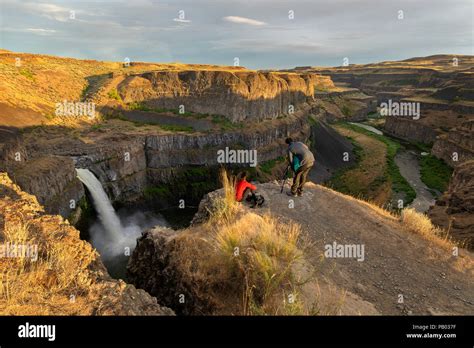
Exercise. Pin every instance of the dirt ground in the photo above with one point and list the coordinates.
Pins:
(396, 262)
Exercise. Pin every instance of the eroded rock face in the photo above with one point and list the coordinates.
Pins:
(237, 95)
(457, 146)
(455, 209)
(349, 104)
(53, 181)
(12, 149)
(95, 292)
(413, 130)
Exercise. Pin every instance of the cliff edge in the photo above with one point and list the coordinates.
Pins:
(361, 259)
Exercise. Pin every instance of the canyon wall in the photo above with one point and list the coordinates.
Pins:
(458, 141)
(406, 128)
(237, 95)
(454, 210)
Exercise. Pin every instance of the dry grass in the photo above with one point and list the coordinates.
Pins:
(261, 252)
(376, 207)
(248, 266)
(420, 224)
(224, 207)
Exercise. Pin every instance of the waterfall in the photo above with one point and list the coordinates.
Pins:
(115, 235)
(104, 208)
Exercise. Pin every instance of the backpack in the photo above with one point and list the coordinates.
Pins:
(296, 163)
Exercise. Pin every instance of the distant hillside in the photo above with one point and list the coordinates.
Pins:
(31, 84)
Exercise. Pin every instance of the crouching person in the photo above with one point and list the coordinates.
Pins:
(246, 192)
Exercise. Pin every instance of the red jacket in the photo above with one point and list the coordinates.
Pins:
(240, 188)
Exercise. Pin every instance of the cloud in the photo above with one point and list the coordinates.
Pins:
(243, 20)
(49, 11)
(40, 31)
(182, 20)
(321, 33)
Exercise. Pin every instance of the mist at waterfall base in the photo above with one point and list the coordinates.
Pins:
(115, 252)
(114, 234)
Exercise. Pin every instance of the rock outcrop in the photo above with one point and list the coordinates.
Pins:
(454, 210)
(443, 90)
(409, 129)
(347, 104)
(456, 146)
(53, 181)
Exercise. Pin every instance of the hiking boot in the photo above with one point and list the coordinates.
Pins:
(291, 194)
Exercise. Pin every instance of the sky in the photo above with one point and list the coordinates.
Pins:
(257, 34)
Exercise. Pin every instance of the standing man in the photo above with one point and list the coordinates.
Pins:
(301, 161)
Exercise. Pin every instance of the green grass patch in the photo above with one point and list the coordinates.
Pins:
(143, 107)
(422, 146)
(27, 73)
(225, 124)
(435, 173)
(113, 94)
(156, 192)
(337, 181)
(268, 166)
(312, 121)
(175, 128)
(346, 111)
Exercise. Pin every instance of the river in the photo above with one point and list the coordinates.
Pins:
(409, 166)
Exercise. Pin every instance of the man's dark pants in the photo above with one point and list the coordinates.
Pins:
(300, 178)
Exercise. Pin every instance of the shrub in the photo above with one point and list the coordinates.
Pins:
(435, 173)
(113, 94)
